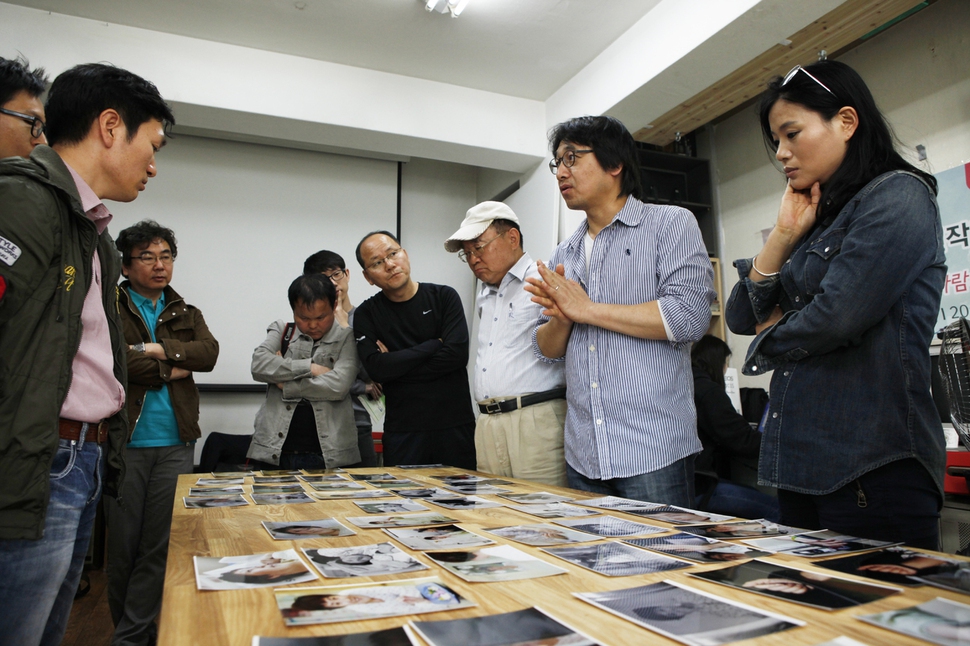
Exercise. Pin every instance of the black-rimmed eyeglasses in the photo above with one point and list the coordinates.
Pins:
(798, 68)
(478, 249)
(568, 159)
(36, 124)
(149, 259)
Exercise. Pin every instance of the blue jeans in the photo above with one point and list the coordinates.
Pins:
(744, 502)
(38, 578)
(671, 485)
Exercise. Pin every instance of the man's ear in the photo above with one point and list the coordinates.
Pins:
(111, 127)
(124, 270)
(615, 172)
(366, 277)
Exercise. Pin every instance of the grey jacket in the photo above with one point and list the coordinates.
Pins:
(329, 394)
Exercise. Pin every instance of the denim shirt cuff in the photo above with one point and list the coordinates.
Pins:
(763, 294)
(758, 363)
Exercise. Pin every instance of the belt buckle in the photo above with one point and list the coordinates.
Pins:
(493, 408)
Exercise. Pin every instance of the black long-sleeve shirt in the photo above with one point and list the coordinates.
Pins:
(721, 429)
(424, 371)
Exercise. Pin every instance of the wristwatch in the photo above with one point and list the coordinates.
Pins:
(139, 347)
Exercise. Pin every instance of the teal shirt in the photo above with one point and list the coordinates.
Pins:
(156, 425)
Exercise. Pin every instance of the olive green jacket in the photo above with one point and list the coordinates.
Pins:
(46, 248)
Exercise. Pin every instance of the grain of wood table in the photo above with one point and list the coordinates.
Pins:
(233, 617)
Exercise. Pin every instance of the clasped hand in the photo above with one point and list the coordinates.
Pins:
(562, 299)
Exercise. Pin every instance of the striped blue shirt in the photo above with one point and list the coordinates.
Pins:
(631, 401)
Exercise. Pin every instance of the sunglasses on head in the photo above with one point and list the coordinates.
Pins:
(798, 68)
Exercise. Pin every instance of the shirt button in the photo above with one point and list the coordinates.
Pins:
(798, 299)
(280, 434)
(484, 369)
(827, 249)
(495, 319)
(599, 421)
(177, 356)
(594, 385)
(787, 373)
(490, 344)
(592, 348)
(754, 368)
(774, 416)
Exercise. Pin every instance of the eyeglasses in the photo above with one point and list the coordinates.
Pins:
(477, 250)
(798, 68)
(149, 259)
(37, 126)
(334, 275)
(568, 159)
(379, 265)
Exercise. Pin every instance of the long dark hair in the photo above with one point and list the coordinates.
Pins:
(872, 149)
(709, 355)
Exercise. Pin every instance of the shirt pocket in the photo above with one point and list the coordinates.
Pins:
(519, 321)
(819, 257)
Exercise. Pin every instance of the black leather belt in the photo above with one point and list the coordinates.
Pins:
(509, 405)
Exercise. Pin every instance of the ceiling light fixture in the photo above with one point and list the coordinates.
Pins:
(454, 7)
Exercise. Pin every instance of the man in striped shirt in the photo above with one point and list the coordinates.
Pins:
(623, 299)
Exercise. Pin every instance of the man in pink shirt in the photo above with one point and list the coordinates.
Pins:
(63, 426)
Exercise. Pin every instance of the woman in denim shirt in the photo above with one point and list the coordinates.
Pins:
(844, 297)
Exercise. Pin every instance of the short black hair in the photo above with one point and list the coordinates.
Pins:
(611, 142)
(373, 233)
(501, 226)
(323, 261)
(709, 354)
(310, 288)
(144, 233)
(80, 94)
(16, 76)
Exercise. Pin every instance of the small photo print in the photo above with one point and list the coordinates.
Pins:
(616, 503)
(554, 510)
(293, 530)
(321, 479)
(541, 534)
(286, 488)
(321, 472)
(388, 484)
(362, 560)
(217, 501)
(336, 486)
(690, 616)
(798, 586)
(939, 621)
(437, 465)
(471, 502)
(231, 475)
(678, 515)
(279, 472)
(896, 565)
(743, 529)
(616, 559)
(219, 482)
(274, 479)
(425, 493)
(443, 537)
(537, 498)
(250, 571)
(396, 507)
(529, 626)
(696, 548)
(294, 498)
(390, 637)
(412, 520)
(476, 488)
(369, 477)
(814, 544)
(459, 478)
(332, 604)
(611, 526)
(215, 491)
(351, 494)
(490, 564)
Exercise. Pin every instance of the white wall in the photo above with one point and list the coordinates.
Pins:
(918, 72)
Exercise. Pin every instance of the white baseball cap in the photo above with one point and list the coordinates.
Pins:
(477, 219)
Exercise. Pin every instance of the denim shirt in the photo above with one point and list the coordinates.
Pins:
(851, 385)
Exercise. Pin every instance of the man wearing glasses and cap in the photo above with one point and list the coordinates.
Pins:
(21, 112)
(521, 399)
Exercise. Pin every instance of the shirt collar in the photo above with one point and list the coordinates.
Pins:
(141, 301)
(518, 271)
(93, 207)
(631, 215)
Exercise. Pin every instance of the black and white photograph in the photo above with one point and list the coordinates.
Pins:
(529, 626)
(293, 530)
(821, 543)
(430, 493)
(390, 507)
(215, 491)
(798, 586)
(678, 515)
(537, 498)
(230, 475)
(390, 637)
(350, 494)
(616, 559)
(689, 616)
(275, 569)
(291, 498)
(321, 479)
(743, 529)
(896, 565)
(476, 488)
(469, 502)
(368, 477)
(336, 486)
(284, 488)
(443, 537)
(555, 510)
(696, 548)
(361, 560)
(219, 482)
(284, 479)
(218, 501)
(939, 621)
(273, 473)
(615, 503)
(390, 484)
(541, 534)
(411, 520)
(460, 478)
(611, 526)
(490, 564)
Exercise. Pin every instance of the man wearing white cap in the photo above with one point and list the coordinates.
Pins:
(521, 399)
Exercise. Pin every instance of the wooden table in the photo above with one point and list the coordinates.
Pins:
(233, 617)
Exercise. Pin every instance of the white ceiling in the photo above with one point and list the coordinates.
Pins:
(522, 48)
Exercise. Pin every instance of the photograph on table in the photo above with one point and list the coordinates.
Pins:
(555, 510)
(743, 529)
(842, 640)
(274, 479)
(537, 498)
(321, 479)
(687, 615)
(798, 586)
(390, 484)
(476, 488)
(678, 515)
(610, 526)
(272, 473)
(897, 565)
(251, 571)
(229, 475)
(616, 559)
(939, 621)
(529, 626)
(368, 477)
(217, 501)
(469, 502)
(436, 465)
(337, 486)
(413, 520)
(219, 482)
(464, 477)
(293, 498)
(283, 488)
(390, 637)
(350, 494)
(425, 493)
(541, 534)
(391, 507)
(362, 601)
(615, 503)
(211, 492)
(292, 530)
(361, 560)
(442, 537)
(491, 564)
(321, 472)
(821, 543)
(696, 548)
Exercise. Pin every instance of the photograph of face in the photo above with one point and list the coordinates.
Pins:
(336, 486)
(438, 538)
(471, 502)
(218, 501)
(537, 498)
(365, 560)
(678, 515)
(288, 531)
(696, 548)
(321, 479)
(541, 534)
(412, 520)
(397, 507)
(274, 479)
(611, 526)
(896, 565)
(616, 559)
(821, 543)
(281, 498)
(219, 482)
(250, 571)
(743, 529)
(489, 564)
(616, 503)
(277, 488)
(939, 621)
(214, 491)
(554, 510)
(529, 626)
